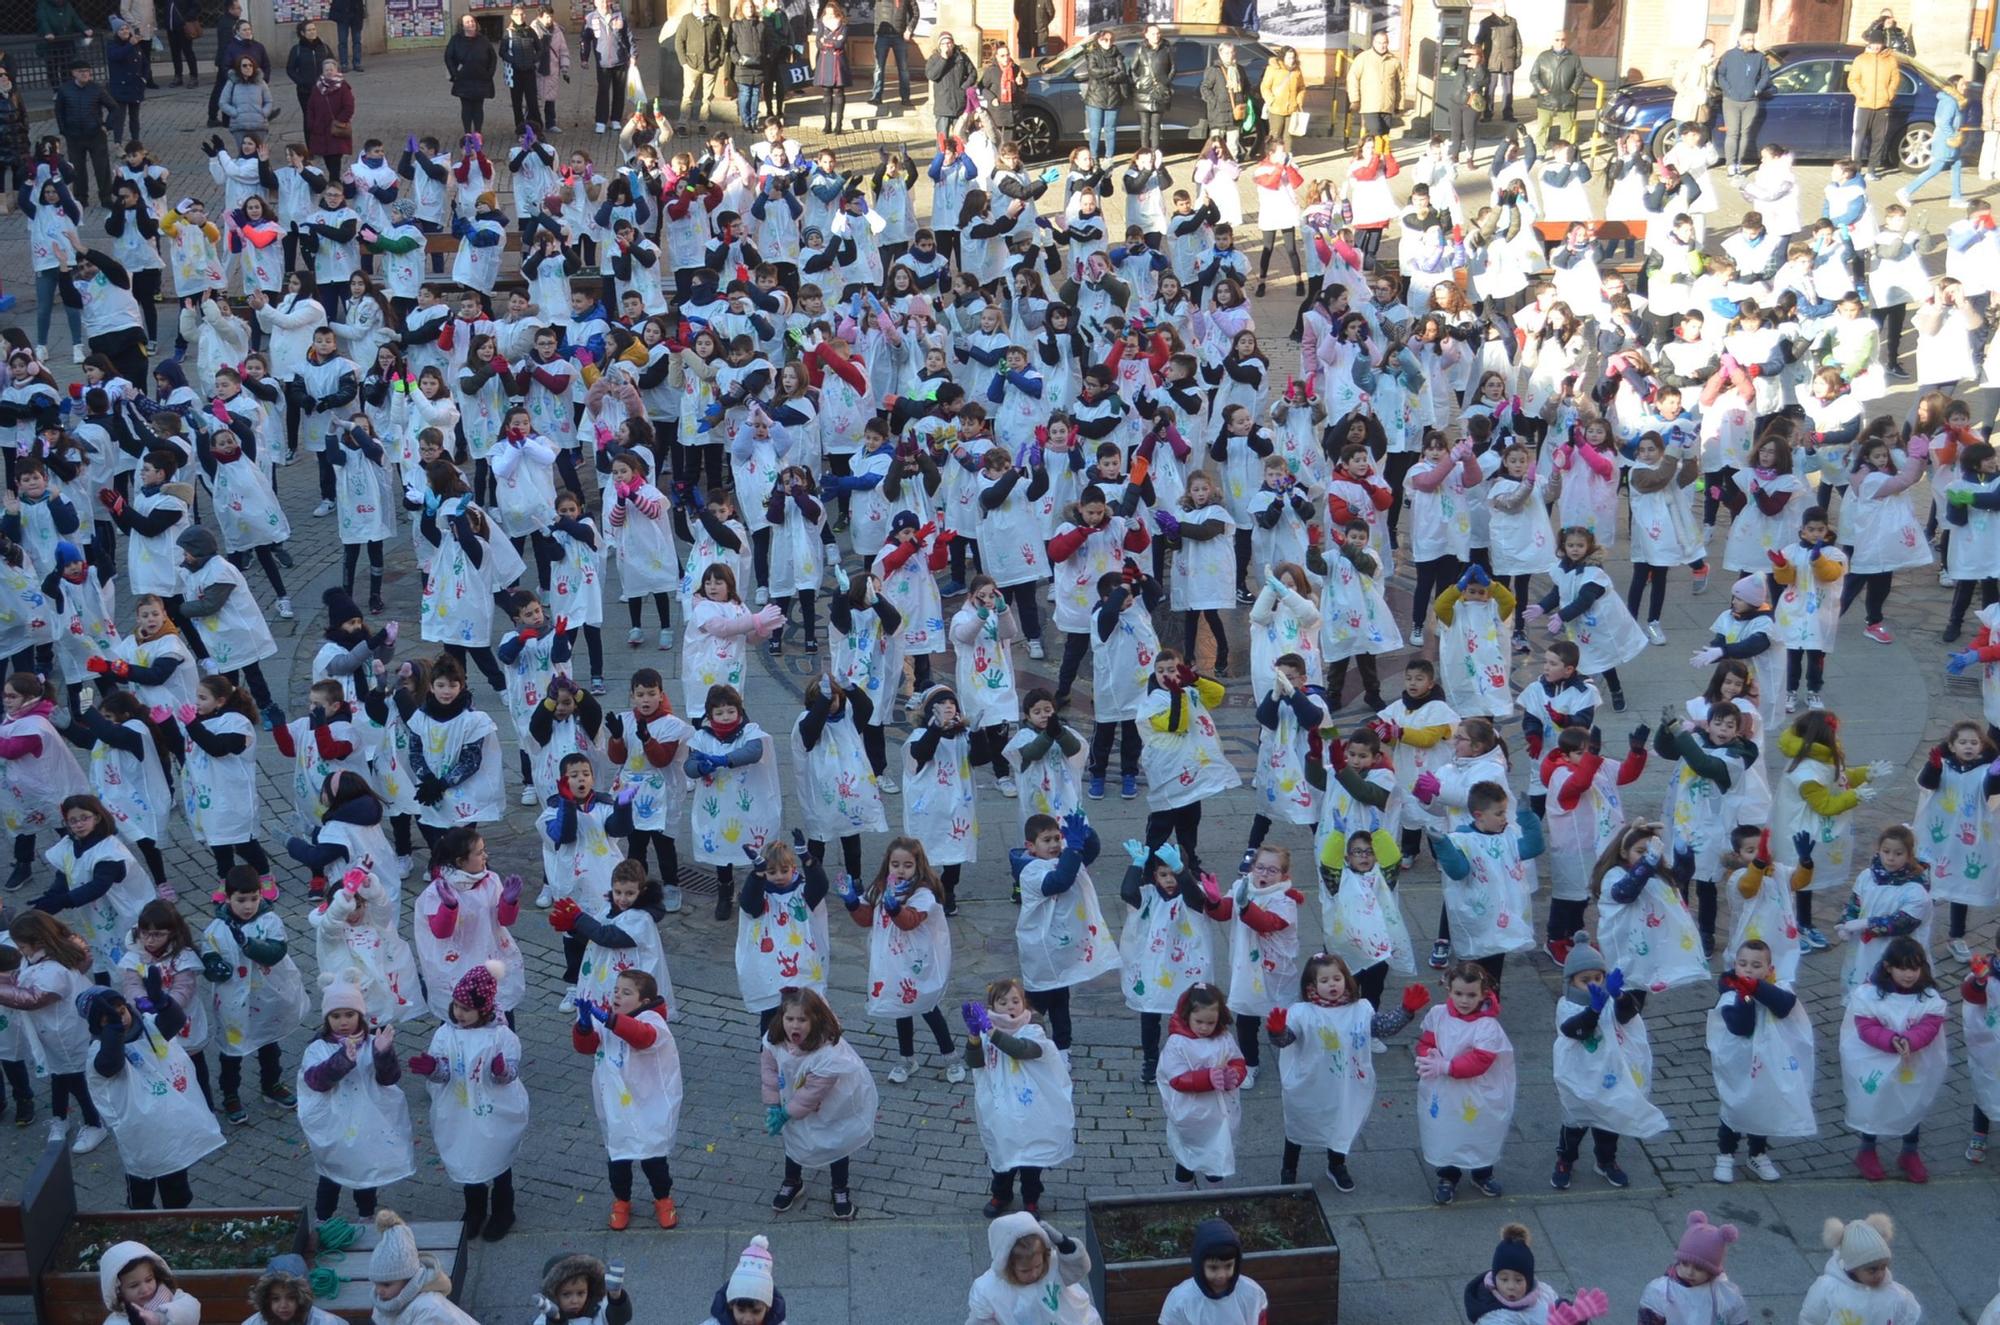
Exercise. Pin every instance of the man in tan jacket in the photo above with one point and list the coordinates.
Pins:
(1375, 87)
(1873, 77)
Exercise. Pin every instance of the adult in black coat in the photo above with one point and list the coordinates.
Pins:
(472, 63)
(308, 57)
(951, 75)
(1152, 84)
(346, 17)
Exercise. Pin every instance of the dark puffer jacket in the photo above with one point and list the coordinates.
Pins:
(1153, 77)
(1107, 85)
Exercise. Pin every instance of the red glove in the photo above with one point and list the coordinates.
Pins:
(499, 1065)
(562, 625)
(422, 1064)
(1275, 1023)
(96, 666)
(563, 916)
(1777, 557)
(1185, 676)
(1762, 860)
(1415, 999)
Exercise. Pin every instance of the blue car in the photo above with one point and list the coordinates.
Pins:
(1808, 107)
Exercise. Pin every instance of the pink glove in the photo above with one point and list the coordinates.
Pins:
(769, 620)
(160, 713)
(1218, 1079)
(1427, 787)
(1590, 1304)
(390, 631)
(185, 713)
(1555, 624)
(423, 1064)
(1533, 612)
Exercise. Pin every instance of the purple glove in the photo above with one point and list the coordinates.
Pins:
(1427, 787)
(977, 1019)
(1169, 524)
(627, 796)
(510, 890)
(447, 896)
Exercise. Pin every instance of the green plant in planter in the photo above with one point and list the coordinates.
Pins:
(184, 1242)
(1164, 1232)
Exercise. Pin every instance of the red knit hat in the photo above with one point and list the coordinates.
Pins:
(478, 987)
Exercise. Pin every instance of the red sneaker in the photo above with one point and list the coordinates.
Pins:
(1879, 633)
(1912, 1165)
(1870, 1165)
(1558, 950)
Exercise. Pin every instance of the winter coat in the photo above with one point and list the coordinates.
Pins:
(1153, 77)
(895, 18)
(750, 48)
(125, 71)
(521, 49)
(1694, 84)
(607, 38)
(553, 63)
(1500, 37)
(346, 11)
(1873, 79)
(1742, 75)
(239, 47)
(80, 110)
(246, 104)
(1107, 85)
(1218, 107)
(330, 119)
(1283, 90)
(302, 66)
(1557, 79)
(1375, 83)
(951, 76)
(989, 94)
(14, 145)
(700, 43)
(471, 63)
(57, 18)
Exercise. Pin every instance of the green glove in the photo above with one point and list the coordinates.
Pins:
(1959, 497)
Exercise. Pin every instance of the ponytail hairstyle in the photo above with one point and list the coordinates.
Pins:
(228, 696)
(1816, 727)
(1613, 855)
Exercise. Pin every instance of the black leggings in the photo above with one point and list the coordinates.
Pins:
(808, 612)
(1433, 577)
(172, 1189)
(326, 1200)
(350, 561)
(664, 849)
(1890, 320)
(1294, 1152)
(1726, 1138)
(906, 1034)
(1603, 1145)
(836, 107)
(472, 114)
(67, 1086)
(482, 658)
(658, 1176)
(252, 676)
(1182, 823)
(1076, 649)
(1291, 238)
(850, 854)
(270, 1071)
(1149, 130)
(1910, 1139)
(267, 557)
(1813, 661)
(663, 601)
(611, 94)
(1031, 1184)
(796, 1176)
(1872, 587)
(1246, 1039)
(1024, 600)
(1053, 1004)
(1190, 622)
(1641, 576)
(1961, 597)
(253, 854)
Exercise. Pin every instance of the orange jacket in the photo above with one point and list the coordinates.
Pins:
(1873, 79)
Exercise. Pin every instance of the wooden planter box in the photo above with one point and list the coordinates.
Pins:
(1303, 1281)
(72, 1297)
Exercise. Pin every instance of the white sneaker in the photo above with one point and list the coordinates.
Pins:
(1249, 1077)
(1725, 1168)
(1655, 634)
(567, 1003)
(1065, 1058)
(284, 609)
(406, 863)
(1417, 638)
(528, 796)
(1813, 700)
(325, 508)
(666, 638)
(763, 595)
(1959, 951)
(955, 1073)
(1378, 1045)
(58, 1129)
(546, 898)
(1903, 197)
(597, 127)
(88, 1139)
(209, 667)
(42, 353)
(670, 899)
(1035, 649)
(1944, 578)
(635, 637)
(1765, 1170)
(887, 785)
(1007, 787)
(76, 353)
(901, 1071)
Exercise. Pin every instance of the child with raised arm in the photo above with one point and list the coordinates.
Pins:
(1027, 1114)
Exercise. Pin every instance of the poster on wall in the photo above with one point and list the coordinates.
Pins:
(1322, 25)
(414, 22)
(298, 11)
(1157, 11)
(1099, 14)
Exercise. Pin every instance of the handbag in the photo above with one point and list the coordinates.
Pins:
(343, 128)
(797, 73)
(191, 29)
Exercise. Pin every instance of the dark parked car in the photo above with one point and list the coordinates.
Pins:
(1051, 116)
(1808, 108)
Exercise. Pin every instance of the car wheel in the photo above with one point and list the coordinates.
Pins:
(1664, 139)
(1913, 150)
(1035, 135)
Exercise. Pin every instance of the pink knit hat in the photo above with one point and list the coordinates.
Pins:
(1752, 590)
(1704, 1244)
(478, 987)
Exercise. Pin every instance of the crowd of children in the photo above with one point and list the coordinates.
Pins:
(950, 436)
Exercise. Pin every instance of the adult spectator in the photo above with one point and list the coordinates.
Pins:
(751, 46)
(247, 105)
(1744, 75)
(63, 32)
(125, 80)
(1000, 91)
(1107, 87)
(471, 62)
(702, 46)
(895, 23)
(551, 65)
(607, 45)
(330, 117)
(1225, 97)
(245, 43)
(82, 109)
(1498, 38)
(1375, 86)
(779, 46)
(309, 56)
(1873, 77)
(830, 62)
(951, 76)
(347, 17)
(225, 37)
(1152, 85)
(1890, 33)
(1036, 24)
(1947, 144)
(1284, 94)
(16, 152)
(1694, 85)
(1558, 81)
(180, 20)
(521, 51)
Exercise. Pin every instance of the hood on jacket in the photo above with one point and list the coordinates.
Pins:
(198, 543)
(1004, 1232)
(1488, 1007)
(566, 1266)
(121, 1257)
(1791, 745)
(175, 375)
(289, 1272)
(41, 708)
(362, 811)
(1215, 1240)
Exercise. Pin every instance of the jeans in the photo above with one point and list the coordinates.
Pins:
(47, 300)
(1937, 167)
(93, 151)
(887, 44)
(348, 43)
(1739, 119)
(748, 93)
(1499, 85)
(1100, 130)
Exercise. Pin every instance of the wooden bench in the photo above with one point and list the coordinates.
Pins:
(355, 1300)
(446, 243)
(1553, 233)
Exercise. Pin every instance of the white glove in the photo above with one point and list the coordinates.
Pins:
(1880, 768)
(1867, 791)
(1050, 1232)
(1706, 657)
(1431, 1067)
(1851, 929)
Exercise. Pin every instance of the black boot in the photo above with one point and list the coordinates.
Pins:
(502, 1217)
(475, 1209)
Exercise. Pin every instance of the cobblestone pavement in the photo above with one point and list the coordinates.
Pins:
(920, 1185)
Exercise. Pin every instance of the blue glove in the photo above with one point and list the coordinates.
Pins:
(1598, 997)
(977, 1019)
(1802, 842)
(1958, 663)
(583, 1016)
(1076, 832)
(1170, 856)
(1052, 174)
(775, 1119)
(892, 900)
(1614, 983)
(1136, 850)
(850, 892)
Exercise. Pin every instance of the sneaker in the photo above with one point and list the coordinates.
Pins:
(887, 785)
(528, 796)
(1975, 1149)
(1791, 701)
(325, 508)
(76, 355)
(1725, 1168)
(545, 899)
(1095, 789)
(812, 646)
(1612, 1174)
(776, 647)
(1378, 1045)
(1249, 1078)
(1488, 1185)
(1416, 637)
(621, 1216)
(1960, 952)
(1521, 643)
(666, 638)
(22, 872)
(954, 1072)
(670, 899)
(635, 637)
(1181, 1184)
(1007, 787)
(901, 1071)
(1035, 649)
(1879, 633)
(1559, 1176)
(284, 609)
(1445, 1191)
(58, 1129)
(1245, 597)
(785, 1197)
(1944, 578)
(1655, 634)
(1337, 1174)
(843, 1205)
(596, 685)
(1810, 939)
(1440, 954)
(1128, 786)
(1701, 580)
(950, 588)
(1869, 1164)
(994, 1207)
(1813, 701)
(1763, 1168)
(1897, 375)
(664, 1213)
(1211, 1182)
(763, 595)
(1558, 950)
(90, 1138)
(24, 1113)
(281, 1096)
(1910, 1162)
(1149, 1068)
(1952, 630)
(376, 606)
(598, 127)
(1618, 701)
